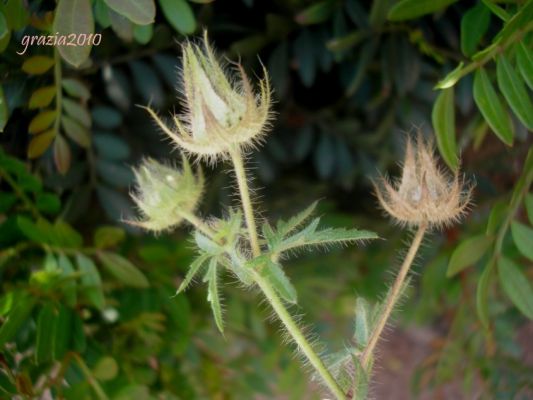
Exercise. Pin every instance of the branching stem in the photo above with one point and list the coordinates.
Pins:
(394, 295)
(268, 290)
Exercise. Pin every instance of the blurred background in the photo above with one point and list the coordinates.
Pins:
(86, 304)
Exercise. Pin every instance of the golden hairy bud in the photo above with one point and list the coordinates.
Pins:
(165, 195)
(425, 194)
(222, 113)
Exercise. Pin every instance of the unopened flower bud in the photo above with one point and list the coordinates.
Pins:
(221, 112)
(164, 194)
(424, 194)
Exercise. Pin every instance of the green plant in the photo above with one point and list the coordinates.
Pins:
(222, 118)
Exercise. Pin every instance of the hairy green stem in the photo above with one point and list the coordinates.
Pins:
(268, 290)
(240, 174)
(394, 296)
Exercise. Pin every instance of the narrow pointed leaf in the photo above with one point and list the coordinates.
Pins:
(123, 270)
(281, 283)
(524, 59)
(492, 108)
(409, 9)
(213, 295)
(523, 238)
(516, 286)
(514, 90)
(194, 270)
(46, 331)
(467, 253)
(443, 117)
(362, 329)
(285, 228)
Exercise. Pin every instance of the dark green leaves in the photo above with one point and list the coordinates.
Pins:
(492, 108)
(4, 112)
(524, 58)
(179, 15)
(514, 91)
(122, 269)
(141, 12)
(91, 283)
(17, 316)
(74, 17)
(474, 24)
(516, 286)
(409, 9)
(523, 238)
(467, 253)
(443, 118)
(46, 331)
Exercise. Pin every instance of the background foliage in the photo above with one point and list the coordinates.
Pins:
(87, 300)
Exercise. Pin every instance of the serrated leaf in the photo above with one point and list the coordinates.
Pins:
(74, 17)
(42, 97)
(409, 9)
(284, 228)
(194, 269)
(141, 12)
(91, 282)
(40, 143)
(474, 25)
(206, 244)
(467, 253)
(523, 238)
(37, 65)
(491, 107)
(179, 15)
(123, 270)
(42, 121)
(516, 286)
(524, 59)
(514, 91)
(212, 294)
(274, 273)
(443, 118)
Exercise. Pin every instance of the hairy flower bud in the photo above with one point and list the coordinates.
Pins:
(222, 113)
(164, 194)
(424, 194)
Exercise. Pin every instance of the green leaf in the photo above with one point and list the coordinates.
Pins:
(66, 236)
(141, 12)
(491, 107)
(123, 270)
(37, 65)
(16, 13)
(39, 233)
(316, 13)
(75, 88)
(207, 245)
(362, 328)
(108, 236)
(4, 29)
(69, 285)
(361, 381)
(46, 331)
(523, 238)
(467, 253)
(77, 132)
(179, 15)
(74, 17)
(496, 10)
(42, 121)
(514, 91)
(143, 33)
(42, 97)
(62, 154)
(516, 286)
(212, 293)
(48, 203)
(77, 111)
(106, 117)
(62, 332)
(524, 59)
(284, 228)
(79, 341)
(4, 111)
(111, 147)
(452, 78)
(409, 9)
(106, 369)
(443, 117)
(474, 25)
(528, 201)
(274, 273)
(482, 291)
(91, 283)
(194, 270)
(18, 315)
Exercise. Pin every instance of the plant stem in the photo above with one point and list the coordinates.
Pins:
(100, 394)
(268, 290)
(240, 174)
(20, 193)
(59, 91)
(298, 336)
(394, 295)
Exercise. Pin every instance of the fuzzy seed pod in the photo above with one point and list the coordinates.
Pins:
(221, 112)
(165, 195)
(424, 194)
